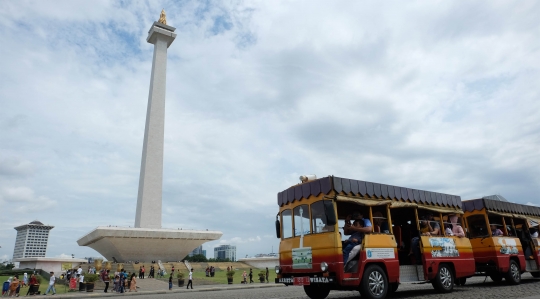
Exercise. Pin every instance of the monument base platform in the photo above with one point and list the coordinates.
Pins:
(145, 244)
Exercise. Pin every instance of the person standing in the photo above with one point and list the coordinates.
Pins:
(143, 270)
(79, 271)
(133, 283)
(267, 274)
(190, 282)
(106, 280)
(122, 283)
(170, 282)
(244, 276)
(52, 283)
(250, 275)
(14, 285)
(72, 282)
(25, 280)
(32, 287)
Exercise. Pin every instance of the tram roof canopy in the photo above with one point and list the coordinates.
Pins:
(500, 206)
(365, 189)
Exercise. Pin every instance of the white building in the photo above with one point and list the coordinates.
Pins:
(32, 239)
(224, 252)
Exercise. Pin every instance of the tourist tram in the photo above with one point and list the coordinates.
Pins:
(503, 238)
(403, 243)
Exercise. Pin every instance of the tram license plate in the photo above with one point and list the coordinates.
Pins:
(301, 281)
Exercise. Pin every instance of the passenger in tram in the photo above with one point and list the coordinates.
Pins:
(357, 232)
(495, 231)
(457, 230)
(380, 224)
(352, 240)
(448, 230)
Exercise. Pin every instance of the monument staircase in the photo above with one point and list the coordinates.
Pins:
(188, 266)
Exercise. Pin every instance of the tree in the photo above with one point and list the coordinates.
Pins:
(7, 266)
(198, 258)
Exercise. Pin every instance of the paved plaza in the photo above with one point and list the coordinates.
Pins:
(477, 287)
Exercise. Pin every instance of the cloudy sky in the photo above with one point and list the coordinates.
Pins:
(440, 96)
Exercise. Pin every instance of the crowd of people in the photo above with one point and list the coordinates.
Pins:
(13, 285)
(210, 271)
(119, 281)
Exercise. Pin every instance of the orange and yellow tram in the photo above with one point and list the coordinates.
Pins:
(403, 235)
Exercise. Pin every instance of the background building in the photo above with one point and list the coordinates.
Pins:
(32, 239)
(225, 251)
(197, 251)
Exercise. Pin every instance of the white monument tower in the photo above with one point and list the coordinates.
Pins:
(148, 241)
(148, 213)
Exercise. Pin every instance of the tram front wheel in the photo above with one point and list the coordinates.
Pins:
(374, 283)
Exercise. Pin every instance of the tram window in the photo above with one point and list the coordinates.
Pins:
(318, 219)
(497, 228)
(286, 224)
(477, 226)
(301, 220)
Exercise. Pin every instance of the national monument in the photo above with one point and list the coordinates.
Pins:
(147, 240)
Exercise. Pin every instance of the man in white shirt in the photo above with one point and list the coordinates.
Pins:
(79, 271)
(52, 282)
(190, 279)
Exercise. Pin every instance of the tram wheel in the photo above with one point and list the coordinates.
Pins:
(513, 276)
(374, 283)
(444, 281)
(315, 292)
(535, 274)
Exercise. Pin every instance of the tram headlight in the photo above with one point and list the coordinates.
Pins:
(278, 269)
(324, 266)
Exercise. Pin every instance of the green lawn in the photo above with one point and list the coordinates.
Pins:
(220, 277)
(60, 289)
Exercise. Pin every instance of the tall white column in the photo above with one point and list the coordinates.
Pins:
(148, 214)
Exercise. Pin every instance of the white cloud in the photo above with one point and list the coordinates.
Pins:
(64, 256)
(533, 204)
(23, 199)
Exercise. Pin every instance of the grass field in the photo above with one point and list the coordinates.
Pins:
(220, 277)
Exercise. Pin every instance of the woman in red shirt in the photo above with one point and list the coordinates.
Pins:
(32, 285)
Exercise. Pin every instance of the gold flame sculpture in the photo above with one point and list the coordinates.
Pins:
(163, 17)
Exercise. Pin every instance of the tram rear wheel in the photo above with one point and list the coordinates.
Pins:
(444, 281)
(513, 276)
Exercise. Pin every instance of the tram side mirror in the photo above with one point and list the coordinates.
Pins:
(329, 212)
(278, 229)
